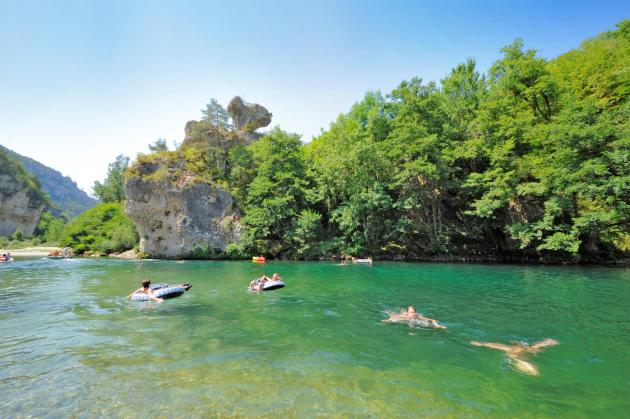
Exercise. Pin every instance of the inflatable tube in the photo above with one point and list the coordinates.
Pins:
(163, 291)
(272, 285)
(258, 259)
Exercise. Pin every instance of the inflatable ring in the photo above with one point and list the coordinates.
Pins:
(163, 291)
(272, 285)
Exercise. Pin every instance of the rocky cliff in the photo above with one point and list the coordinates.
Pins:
(189, 219)
(65, 196)
(21, 198)
(175, 198)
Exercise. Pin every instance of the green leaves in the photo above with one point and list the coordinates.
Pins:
(102, 229)
(113, 187)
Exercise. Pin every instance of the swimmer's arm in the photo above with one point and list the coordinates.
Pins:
(138, 290)
(492, 345)
(544, 343)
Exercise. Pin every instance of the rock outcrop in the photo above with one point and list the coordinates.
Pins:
(173, 198)
(248, 117)
(21, 200)
(188, 219)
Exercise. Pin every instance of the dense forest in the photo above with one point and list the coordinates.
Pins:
(527, 162)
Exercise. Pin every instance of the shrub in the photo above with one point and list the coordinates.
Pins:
(102, 229)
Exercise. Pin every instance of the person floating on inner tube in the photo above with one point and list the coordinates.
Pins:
(258, 283)
(146, 289)
(412, 318)
(516, 351)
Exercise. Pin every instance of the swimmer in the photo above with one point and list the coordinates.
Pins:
(258, 283)
(146, 289)
(518, 350)
(411, 317)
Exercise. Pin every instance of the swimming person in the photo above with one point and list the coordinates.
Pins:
(411, 317)
(258, 283)
(146, 289)
(518, 350)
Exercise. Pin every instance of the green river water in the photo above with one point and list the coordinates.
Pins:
(71, 345)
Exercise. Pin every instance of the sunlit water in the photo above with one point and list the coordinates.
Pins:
(70, 344)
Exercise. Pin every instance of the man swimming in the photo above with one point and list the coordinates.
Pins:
(146, 289)
(518, 350)
(411, 317)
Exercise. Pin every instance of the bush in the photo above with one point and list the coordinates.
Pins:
(236, 251)
(102, 229)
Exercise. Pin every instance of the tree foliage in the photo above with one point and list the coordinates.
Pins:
(527, 162)
(103, 229)
(113, 187)
(216, 115)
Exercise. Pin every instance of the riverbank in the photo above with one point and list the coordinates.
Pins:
(31, 251)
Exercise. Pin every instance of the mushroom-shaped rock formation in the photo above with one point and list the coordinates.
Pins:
(248, 116)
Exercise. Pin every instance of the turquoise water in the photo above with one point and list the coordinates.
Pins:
(71, 345)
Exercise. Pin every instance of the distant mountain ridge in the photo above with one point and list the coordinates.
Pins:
(63, 191)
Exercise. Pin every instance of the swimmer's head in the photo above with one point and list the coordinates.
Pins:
(146, 283)
(411, 310)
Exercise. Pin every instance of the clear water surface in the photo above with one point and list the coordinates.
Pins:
(71, 345)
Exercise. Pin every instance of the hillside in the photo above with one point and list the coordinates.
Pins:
(21, 198)
(63, 191)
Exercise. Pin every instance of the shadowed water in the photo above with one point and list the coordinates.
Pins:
(70, 344)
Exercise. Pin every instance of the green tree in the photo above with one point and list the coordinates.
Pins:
(102, 229)
(158, 145)
(113, 187)
(275, 195)
(216, 115)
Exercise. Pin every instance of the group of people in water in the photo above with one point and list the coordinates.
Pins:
(6, 257)
(259, 283)
(516, 352)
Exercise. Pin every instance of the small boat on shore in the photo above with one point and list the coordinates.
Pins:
(365, 260)
(65, 254)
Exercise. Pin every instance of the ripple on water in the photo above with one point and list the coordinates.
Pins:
(71, 344)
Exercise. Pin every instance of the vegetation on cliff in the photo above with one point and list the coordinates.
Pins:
(12, 167)
(67, 200)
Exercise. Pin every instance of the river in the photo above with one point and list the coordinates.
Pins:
(71, 345)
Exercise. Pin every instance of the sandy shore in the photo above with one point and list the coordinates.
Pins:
(30, 251)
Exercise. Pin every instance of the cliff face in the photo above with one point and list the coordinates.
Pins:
(21, 200)
(189, 219)
(66, 197)
(175, 198)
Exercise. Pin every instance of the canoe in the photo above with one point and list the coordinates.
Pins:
(258, 259)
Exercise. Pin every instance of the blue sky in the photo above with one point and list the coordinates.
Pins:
(83, 81)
